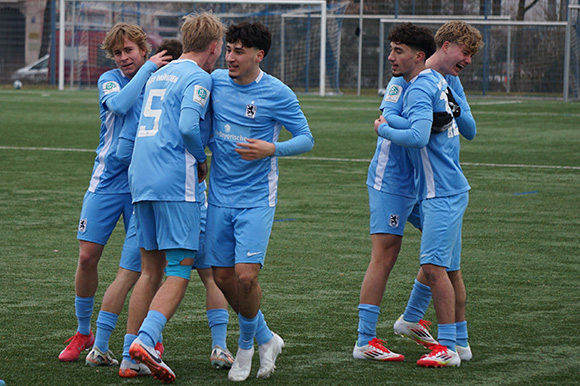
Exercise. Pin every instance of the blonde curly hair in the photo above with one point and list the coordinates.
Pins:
(460, 33)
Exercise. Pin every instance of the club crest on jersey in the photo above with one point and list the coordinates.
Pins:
(111, 86)
(83, 225)
(394, 220)
(393, 93)
(251, 111)
(200, 95)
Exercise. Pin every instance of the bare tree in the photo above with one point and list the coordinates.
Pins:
(563, 14)
(523, 8)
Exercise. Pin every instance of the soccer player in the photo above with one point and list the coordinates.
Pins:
(168, 163)
(249, 109)
(216, 304)
(390, 173)
(442, 189)
(456, 43)
(129, 266)
(108, 196)
(392, 199)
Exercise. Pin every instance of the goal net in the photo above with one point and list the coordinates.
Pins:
(519, 58)
(305, 36)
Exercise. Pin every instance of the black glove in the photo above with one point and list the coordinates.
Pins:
(441, 121)
(455, 108)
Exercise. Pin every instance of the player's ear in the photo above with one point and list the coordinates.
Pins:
(446, 45)
(259, 56)
(213, 47)
(420, 56)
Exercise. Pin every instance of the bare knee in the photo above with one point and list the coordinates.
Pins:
(89, 255)
(433, 273)
(247, 280)
(224, 278)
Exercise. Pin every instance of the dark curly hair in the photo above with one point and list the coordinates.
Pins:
(417, 37)
(173, 47)
(251, 35)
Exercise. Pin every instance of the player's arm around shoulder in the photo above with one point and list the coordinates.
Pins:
(420, 117)
(125, 98)
(392, 104)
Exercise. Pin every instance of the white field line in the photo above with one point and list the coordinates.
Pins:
(325, 159)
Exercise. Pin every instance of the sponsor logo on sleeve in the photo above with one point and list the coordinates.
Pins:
(393, 93)
(110, 87)
(200, 95)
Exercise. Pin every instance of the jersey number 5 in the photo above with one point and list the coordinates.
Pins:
(149, 112)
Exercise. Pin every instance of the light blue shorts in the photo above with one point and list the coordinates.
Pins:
(200, 262)
(131, 255)
(390, 212)
(100, 214)
(163, 225)
(415, 216)
(441, 238)
(235, 236)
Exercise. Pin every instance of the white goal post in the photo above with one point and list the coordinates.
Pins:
(321, 4)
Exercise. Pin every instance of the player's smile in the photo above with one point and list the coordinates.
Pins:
(127, 67)
(459, 55)
(129, 58)
(243, 62)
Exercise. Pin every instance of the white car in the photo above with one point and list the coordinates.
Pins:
(35, 72)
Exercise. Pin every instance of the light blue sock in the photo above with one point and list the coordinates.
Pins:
(446, 335)
(247, 331)
(151, 328)
(218, 325)
(263, 333)
(106, 323)
(461, 331)
(84, 311)
(418, 302)
(368, 316)
(129, 338)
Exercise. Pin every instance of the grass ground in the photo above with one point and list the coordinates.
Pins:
(520, 250)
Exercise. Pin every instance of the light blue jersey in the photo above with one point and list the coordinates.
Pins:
(168, 144)
(117, 98)
(435, 157)
(257, 110)
(390, 170)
